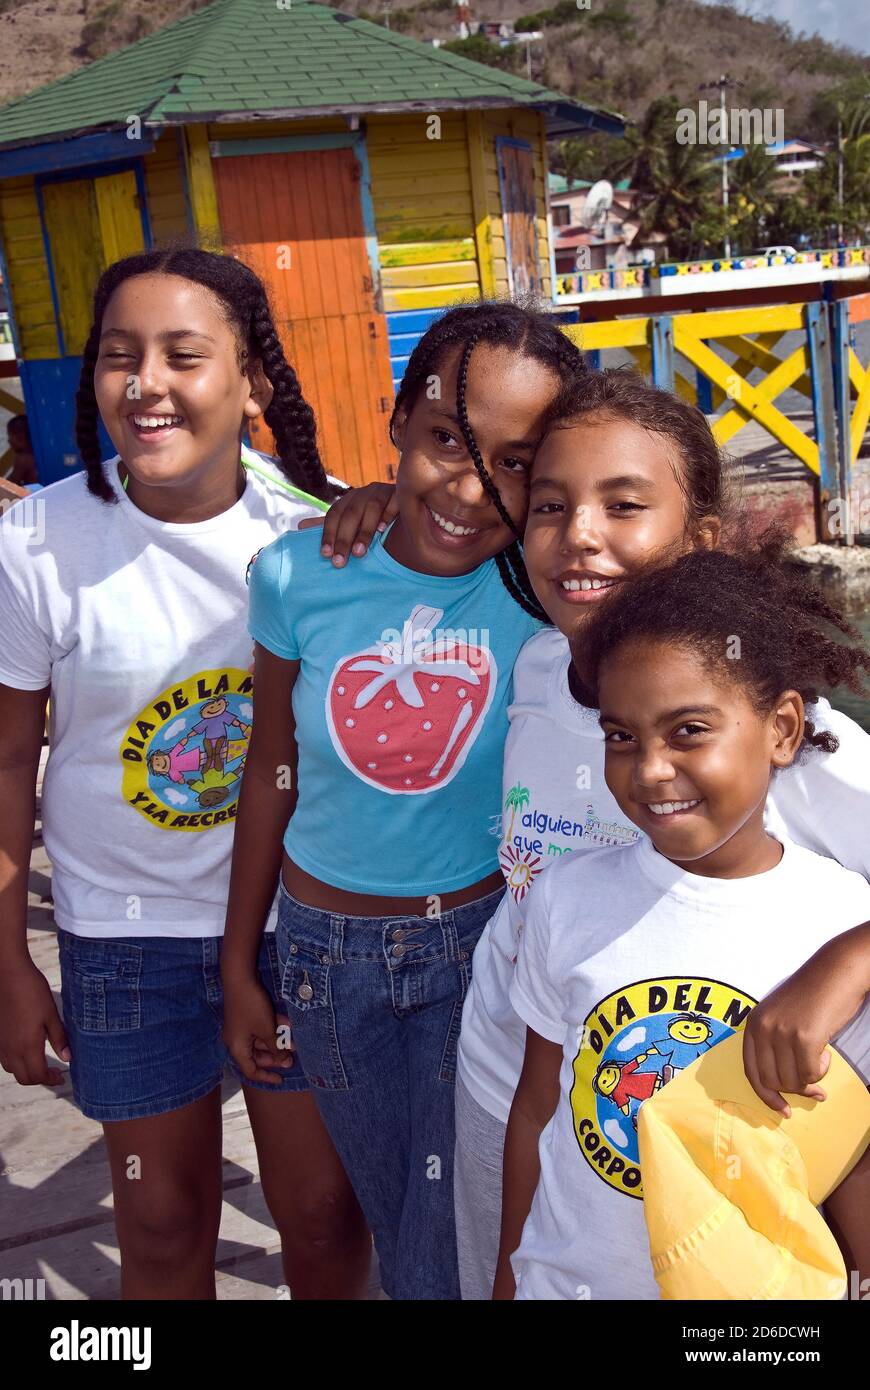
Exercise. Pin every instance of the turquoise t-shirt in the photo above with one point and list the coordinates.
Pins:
(401, 713)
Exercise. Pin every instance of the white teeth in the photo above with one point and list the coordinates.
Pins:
(667, 808)
(451, 527)
(573, 586)
(156, 422)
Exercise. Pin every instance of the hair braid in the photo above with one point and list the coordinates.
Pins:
(511, 565)
(289, 416)
(87, 422)
(489, 486)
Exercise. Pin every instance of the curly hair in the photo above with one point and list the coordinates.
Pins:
(499, 323)
(621, 393)
(708, 598)
(243, 298)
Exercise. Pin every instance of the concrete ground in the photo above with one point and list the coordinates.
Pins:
(56, 1219)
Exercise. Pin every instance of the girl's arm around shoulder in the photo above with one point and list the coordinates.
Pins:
(266, 803)
(786, 1037)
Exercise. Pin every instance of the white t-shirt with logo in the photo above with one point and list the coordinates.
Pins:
(140, 628)
(556, 802)
(637, 967)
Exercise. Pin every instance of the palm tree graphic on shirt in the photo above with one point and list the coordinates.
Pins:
(516, 799)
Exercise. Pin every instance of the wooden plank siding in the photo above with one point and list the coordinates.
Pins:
(424, 218)
(164, 188)
(27, 268)
(521, 125)
(296, 219)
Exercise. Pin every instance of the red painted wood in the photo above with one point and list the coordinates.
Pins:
(306, 206)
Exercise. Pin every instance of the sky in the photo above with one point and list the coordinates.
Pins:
(839, 21)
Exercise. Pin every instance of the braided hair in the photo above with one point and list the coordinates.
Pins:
(243, 298)
(707, 598)
(526, 330)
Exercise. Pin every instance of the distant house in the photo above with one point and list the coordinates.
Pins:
(794, 160)
(614, 243)
(393, 178)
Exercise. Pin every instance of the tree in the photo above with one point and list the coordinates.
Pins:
(675, 183)
(479, 49)
(752, 196)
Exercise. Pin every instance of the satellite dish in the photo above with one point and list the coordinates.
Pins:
(599, 200)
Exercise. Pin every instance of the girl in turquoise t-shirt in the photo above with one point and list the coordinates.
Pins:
(384, 782)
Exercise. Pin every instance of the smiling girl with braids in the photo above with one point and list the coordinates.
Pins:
(399, 671)
(130, 614)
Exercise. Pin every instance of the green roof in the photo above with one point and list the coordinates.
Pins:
(250, 58)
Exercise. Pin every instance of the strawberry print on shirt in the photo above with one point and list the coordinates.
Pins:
(403, 715)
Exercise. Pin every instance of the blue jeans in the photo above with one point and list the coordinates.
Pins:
(143, 1016)
(375, 1004)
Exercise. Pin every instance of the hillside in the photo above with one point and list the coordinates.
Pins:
(619, 53)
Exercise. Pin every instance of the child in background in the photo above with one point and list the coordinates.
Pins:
(626, 476)
(24, 471)
(632, 960)
(131, 614)
(399, 671)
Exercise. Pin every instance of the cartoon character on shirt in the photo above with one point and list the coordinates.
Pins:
(216, 719)
(688, 1035)
(621, 1082)
(174, 762)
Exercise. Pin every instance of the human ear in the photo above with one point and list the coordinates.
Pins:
(787, 728)
(399, 428)
(261, 391)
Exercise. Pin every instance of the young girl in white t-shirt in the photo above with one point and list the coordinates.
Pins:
(634, 960)
(123, 598)
(627, 474)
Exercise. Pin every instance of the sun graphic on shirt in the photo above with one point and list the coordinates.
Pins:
(519, 869)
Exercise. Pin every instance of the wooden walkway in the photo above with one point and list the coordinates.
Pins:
(56, 1220)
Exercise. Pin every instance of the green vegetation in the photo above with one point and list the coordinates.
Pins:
(481, 50)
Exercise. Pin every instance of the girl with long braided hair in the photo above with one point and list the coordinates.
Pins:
(398, 672)
(128, 609)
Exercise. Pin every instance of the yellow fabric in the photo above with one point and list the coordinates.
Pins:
(731, 1187)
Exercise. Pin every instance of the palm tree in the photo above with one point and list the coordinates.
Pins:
(516, 798)
(675, 183)
(753, 195)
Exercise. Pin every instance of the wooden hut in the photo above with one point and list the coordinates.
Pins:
(371, 180)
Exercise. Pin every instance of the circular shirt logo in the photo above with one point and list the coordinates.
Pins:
(184, 753)
(630, 1045)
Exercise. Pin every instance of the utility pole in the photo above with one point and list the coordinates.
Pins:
(840, 173)
(723, 83)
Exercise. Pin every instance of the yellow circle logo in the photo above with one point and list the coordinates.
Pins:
(184, 754)
(633, 1043)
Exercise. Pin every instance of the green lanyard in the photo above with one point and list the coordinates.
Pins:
(280, 482)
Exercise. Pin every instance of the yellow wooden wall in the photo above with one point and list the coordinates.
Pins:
(437, 204)
(424, 210)
(164, 188)
(27, 268)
